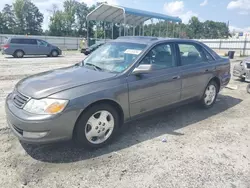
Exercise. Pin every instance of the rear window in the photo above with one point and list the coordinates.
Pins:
(23, 41)
(214, 54)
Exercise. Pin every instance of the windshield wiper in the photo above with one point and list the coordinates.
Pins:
(95, 66)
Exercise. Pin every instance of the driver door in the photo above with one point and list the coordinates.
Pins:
(158, 88)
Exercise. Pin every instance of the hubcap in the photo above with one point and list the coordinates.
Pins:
(54, 53)
(210, 94)
(99, 127)
(19, 54)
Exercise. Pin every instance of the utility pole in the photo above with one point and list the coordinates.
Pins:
(228, 29)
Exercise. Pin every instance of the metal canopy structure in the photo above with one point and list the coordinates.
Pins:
(125, 16)
(130, 16)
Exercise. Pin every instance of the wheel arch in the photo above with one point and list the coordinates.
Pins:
(19, 50)
(111, 102)
(217, 81)
(54, 50)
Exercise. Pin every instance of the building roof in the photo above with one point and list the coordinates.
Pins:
(115, 14)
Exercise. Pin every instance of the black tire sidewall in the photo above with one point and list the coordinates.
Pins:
(15, 54)
(79, 131)
(204, 105)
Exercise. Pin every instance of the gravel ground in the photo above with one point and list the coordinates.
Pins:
(203, 148)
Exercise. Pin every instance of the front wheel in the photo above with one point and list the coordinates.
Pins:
(54, 53)
(97, 126)
(210, 95)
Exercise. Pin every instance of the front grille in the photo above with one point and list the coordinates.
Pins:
(20, 131)
(19, 99)
(248, 65)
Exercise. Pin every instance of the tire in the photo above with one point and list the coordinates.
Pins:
(242, 79)
(54, 53)
(248, 88)
(209, 98)
(18, 54)
(84, 132)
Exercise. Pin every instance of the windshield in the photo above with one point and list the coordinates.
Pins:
(115, 56)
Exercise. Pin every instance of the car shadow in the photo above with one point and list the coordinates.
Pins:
(165, 122)
(30, 57)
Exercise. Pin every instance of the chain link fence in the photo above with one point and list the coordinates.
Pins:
(221, 46)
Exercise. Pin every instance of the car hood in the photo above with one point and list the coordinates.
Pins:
(47, 83)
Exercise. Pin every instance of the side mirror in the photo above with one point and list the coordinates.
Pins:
(143, 69)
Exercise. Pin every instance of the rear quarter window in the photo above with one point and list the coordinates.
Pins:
(212, 52)
(15, 41)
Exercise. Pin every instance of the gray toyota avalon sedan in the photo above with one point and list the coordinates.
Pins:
(121, 80)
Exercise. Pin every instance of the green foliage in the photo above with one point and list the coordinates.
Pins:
(8, 20)
(23, 18)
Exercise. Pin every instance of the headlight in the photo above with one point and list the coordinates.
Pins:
(45, 106)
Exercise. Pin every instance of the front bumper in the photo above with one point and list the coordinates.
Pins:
(58, 128)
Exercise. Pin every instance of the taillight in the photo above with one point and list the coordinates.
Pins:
(6, 46)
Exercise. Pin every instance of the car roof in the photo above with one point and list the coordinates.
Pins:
(151, 40)
(24, 38)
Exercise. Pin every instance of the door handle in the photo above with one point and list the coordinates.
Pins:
(175, 77)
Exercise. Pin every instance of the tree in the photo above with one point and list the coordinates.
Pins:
(1, 23)
(69, 15)
(19, 10)
(33, 20)
(57, 24)
(8, 20)
(81, 21)
(195, 28)
(29, 18)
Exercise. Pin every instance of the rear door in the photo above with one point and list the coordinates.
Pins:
(195, 69)
(159, 87)
(18, 44)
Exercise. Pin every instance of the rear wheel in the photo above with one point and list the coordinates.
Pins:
(97, 126)
(54, 53)
(210, 95)
(18, 54)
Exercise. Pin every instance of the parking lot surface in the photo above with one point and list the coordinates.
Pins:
(201, 148)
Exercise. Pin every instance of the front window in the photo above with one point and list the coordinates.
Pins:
(42, 43)
(161, 56)
(114, 56)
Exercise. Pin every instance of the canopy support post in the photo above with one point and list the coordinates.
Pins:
(96, 30)
(167, 30)
(87, 33)
(159, 28)
(112, 37)
(120, 30)
(151, 27)
(173, 29)
(142, 29)
(104, 31)
(124, 16)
